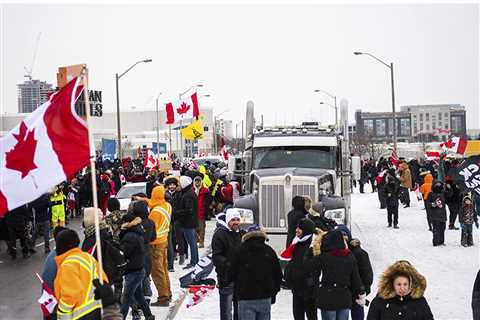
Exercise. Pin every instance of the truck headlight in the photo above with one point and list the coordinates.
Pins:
(338, 215)
(246, 216)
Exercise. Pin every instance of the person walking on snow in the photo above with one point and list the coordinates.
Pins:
(425, 189)
(392, 187)
(438, 212)
(405, 183)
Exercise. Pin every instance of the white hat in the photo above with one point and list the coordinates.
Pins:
(231, 214)
(89, 216)
(185, 181)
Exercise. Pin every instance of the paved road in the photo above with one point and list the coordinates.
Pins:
(19, 286)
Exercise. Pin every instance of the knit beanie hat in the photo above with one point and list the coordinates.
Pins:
(344, 229)
(66, 240)
(185, 181)
(307, 226)
(231, 214)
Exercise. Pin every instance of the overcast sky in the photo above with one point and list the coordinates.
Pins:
(275, 55)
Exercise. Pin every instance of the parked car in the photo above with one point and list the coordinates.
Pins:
(126, 192)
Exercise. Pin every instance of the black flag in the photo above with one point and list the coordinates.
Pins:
(467, 174)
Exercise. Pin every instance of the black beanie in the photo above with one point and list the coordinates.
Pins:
(113, 204)
(307, 226)
(66, 240)
(140, 209)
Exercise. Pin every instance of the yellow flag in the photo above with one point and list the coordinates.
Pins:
(193, 131)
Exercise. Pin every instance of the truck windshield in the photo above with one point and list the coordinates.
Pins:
(294, 156)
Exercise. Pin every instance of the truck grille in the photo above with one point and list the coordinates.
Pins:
(276, 200)
(273, 205)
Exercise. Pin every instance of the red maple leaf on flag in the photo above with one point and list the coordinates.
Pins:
(21, 157)
(183, 108)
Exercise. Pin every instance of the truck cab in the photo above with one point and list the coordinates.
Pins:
(281, 163)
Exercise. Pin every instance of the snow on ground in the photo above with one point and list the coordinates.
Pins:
(450, 270)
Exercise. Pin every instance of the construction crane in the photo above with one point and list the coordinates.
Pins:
(28, 71)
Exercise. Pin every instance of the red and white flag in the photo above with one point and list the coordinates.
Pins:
(186, 108)
(151, 160)
(287, 254)
(223, 147)
(47, 147)
(198, 294)
(47, 300)
(394, 159)
(455, 144)
(432, 155)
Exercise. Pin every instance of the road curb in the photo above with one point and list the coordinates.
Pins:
(173, 310)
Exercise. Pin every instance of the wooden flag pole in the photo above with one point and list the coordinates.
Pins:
(93, 173)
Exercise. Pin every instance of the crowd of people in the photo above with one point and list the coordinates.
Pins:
(323, 265)
(432, 182)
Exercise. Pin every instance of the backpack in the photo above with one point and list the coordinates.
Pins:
(114, 262)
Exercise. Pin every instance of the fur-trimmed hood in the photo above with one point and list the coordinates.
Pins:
(417, 281)
(255, 234)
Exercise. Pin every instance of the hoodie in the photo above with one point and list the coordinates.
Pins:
(426, 187)
(160, 214)
(294, 216)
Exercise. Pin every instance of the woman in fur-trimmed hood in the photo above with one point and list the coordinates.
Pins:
(401, 291)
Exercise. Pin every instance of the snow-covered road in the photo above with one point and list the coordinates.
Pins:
(450, 270)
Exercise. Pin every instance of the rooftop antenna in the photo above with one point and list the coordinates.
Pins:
(28, 71)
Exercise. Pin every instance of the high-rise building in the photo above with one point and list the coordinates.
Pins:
(32, 94)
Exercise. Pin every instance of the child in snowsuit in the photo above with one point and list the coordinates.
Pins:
(467, 217)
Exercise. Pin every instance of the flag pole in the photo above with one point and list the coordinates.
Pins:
(93, 173)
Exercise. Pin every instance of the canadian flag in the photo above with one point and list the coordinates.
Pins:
(186, 108)
(150, 160)
(223, 147)
(455, 144)
(47, 300)
(432, 155)
(47, 147)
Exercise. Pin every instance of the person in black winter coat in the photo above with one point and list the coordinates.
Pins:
(256, 275)
(41, 208)
(340, 282)
(226, 239)
(294, 216)
(400, 295)
(366, 274)
(392, 189)
(140, 209)
(16, 220)
(132, 244)
(476, 298)
(186, 214)
(438, 212)
(453, 198)
(302, 282)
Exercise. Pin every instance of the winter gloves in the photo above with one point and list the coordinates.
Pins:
(362, 299)
(103, 292)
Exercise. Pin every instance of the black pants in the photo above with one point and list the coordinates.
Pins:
(372, 181)
(453, 215)
(467, 237)
(302, 307)
(392, 212)
(438, 232)
(17, 232)
(382, 198)
(360, 184)
(429, 218)
(405, 196)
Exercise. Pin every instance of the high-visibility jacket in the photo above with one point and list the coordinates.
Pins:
(73, 284)
(58, 207)
(161, 216)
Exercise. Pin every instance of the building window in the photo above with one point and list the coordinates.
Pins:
(381, 127)
(446, 126)
(368, 125)
(421, 126)
(427, 127)
(405, 129)
(434, 125)
(390, 126)
(427, 116)
(421, 116)
(456, 124)
(439, 116)
(446, 115)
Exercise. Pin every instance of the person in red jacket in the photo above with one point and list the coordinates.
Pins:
(204, 199)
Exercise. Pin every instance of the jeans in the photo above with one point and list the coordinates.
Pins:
(357, 312)
(341, 314)
(179, 239)
(133, 292)
(191, 238)
(258, 309)
(226, 299)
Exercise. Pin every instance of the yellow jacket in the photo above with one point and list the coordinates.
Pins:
(73, 284)
(160, 214)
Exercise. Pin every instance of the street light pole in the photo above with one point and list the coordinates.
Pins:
(334, 107)
(119, 133)
(181, 120)
(390, 66)
(335, 103)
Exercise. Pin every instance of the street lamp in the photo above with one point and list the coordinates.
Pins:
(335, 102)
(158, 124)
(215, 130)
(334, 107)
(117, 77)
(181, 121)
(390, 66)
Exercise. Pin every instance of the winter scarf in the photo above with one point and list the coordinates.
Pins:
(287, 254)
(90, 230)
